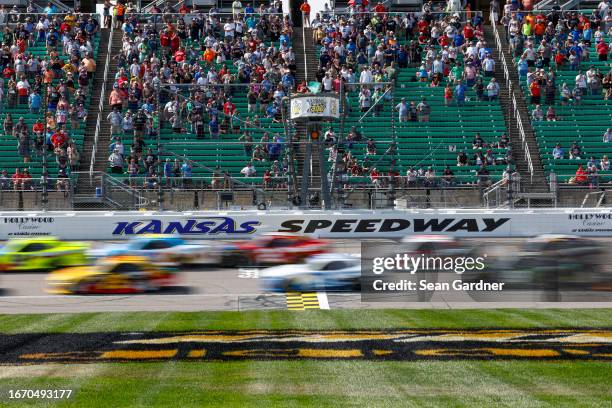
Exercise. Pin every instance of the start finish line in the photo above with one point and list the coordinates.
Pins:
(393, 224)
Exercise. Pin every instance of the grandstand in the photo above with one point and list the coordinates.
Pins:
(196, 105)
(176, 73)
(434, 144)
(56, 84)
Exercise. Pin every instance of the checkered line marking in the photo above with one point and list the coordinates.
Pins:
(302, 301)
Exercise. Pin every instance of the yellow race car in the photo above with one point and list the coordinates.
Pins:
(41, 253)
(112, 275)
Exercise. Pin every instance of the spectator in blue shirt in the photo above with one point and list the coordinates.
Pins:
(558, 152)
(186, 174)
(50, 9)
(213, 127)
(168, 171)
(458, 40)
(460, 94)
(34, 102)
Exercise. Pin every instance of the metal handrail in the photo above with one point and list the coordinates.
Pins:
(118, 184)
(188, 16)
(304, 51)
(519, 122)
(380, 98)
(94, 148)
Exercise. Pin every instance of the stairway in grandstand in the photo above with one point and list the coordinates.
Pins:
(84, 187)
(306, 62)
(92, 117)
(536, 184)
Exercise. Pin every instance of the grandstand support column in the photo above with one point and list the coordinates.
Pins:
(323, 172)
(510, 192)
(45, 178)
(336, 192)
(290, 136)
(306, 160)
(160, 190)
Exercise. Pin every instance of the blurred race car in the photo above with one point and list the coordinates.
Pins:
(553, 259)
(320, 272)
(433, 245)
(161, 248)
(42, 253)
(118, 274)
(273, 248)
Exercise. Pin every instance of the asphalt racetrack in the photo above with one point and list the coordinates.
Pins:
(213, 288)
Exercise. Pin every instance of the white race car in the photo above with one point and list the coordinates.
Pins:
(320, 272)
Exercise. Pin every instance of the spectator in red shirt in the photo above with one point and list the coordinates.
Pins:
(38, 127)
(184, 8)
(175, 42)
(423, 25)
(17, 180)
(302, 87)
(59, 140)
(602, 50)
(179, 55)
(164, 39)
(229, 108)
(534, 89)
(581, 176)
(444, 40)
(375, 176)
(468, 32)
(379, 8)
(8, 72)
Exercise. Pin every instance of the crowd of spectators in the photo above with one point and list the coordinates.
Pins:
(545, 44)
(369, 46)
(51, 86)
(199, 62)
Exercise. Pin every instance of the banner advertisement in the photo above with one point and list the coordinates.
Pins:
(315, 107)
(393, 224)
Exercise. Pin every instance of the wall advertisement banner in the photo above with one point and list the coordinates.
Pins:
(333, 224)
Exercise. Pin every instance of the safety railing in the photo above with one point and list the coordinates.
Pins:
(500, 50)
(588, 179)
(305, 56)
(94, 148)
(519, 123)
(499, 192)
(159, 18)
(22, 17)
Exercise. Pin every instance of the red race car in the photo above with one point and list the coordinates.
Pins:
(275, 248)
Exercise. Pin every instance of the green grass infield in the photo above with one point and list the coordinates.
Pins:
(327, 383)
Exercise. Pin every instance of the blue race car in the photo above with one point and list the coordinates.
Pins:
(162, 248)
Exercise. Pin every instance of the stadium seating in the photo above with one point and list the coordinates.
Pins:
(9, 159)
(436, 143)
(227, 153)
(450, 130)
(583, 123)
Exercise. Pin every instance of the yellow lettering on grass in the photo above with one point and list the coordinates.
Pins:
(329, 353)
(139, 354)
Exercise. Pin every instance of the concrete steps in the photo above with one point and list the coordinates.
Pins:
(538, 183)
